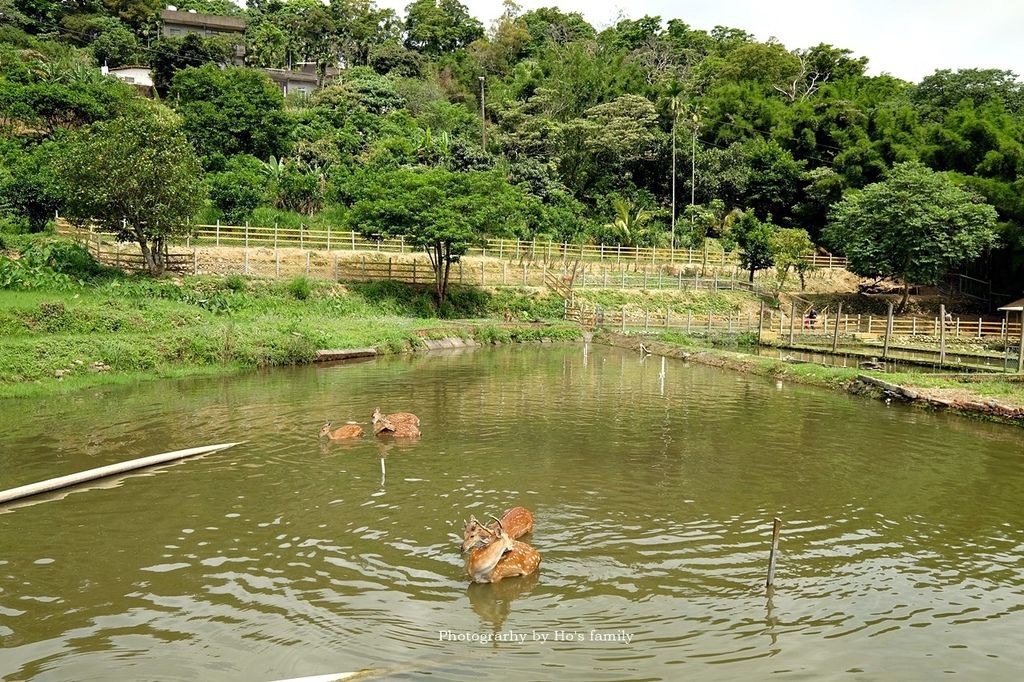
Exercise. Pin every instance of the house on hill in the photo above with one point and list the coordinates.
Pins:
(137, 75)
(177, 24)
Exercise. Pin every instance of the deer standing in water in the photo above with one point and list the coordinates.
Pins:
(501, 558)
(516, 522)
(346, 432)
(397, 424)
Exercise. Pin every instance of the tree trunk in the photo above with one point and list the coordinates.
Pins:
(751, 274)
(153, 256)
(906, 298)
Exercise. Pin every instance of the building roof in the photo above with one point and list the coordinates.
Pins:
(126, 67)
(281, 75)
(212, 21)
(1014, 306)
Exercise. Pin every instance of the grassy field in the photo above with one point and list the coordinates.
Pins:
(126, 329)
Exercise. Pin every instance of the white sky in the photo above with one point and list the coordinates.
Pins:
(906, 38)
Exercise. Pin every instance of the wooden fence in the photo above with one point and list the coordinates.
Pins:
(862, 329)
(129, 257)
(490, 273)
(329, 239)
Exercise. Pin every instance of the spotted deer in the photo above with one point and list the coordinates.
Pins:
(501, 558)
(517, 522)
(346, 432)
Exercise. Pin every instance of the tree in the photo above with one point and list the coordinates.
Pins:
(912, 227)
(629, 223)
(175, 54)
(790, 249)
(230, 111)
(754, 239)
(434, 209)
(137, 177)
(436, 27)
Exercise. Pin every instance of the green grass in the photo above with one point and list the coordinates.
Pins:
(145, 328)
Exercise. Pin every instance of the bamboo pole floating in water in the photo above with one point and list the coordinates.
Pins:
(776, 527)
(104, 471)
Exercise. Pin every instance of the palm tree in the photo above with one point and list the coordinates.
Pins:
(627, 224)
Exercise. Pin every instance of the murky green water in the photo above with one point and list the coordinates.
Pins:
(901, 556)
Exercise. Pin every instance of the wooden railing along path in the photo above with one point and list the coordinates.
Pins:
(329, 239)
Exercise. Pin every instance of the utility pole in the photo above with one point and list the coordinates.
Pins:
(483, 126)
(693, 172)
(674, 117)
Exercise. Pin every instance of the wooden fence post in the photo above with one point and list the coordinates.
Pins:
(195, 261)
(942, 333)
(792, 321)
(835, 330)
(307, 262)
(277, 262)
(888, 332)
(1020, 345)
(760, 323)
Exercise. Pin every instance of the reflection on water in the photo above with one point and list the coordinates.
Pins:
(653, 486)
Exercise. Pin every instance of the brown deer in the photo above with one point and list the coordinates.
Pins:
(517, 522)
(501, 558)
(397, 424)
(346, 432)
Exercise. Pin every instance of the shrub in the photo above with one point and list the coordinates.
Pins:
(300, 288)
(234, 282)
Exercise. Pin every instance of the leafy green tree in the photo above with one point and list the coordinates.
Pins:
(790, 249)
(137, 177)
(114, 44)
(230, 111)
(28, 186)
(912, 227)
(754, 239)
(437, 27)
(239, 189)
(192, 50)
(945, 89)
(437, 210)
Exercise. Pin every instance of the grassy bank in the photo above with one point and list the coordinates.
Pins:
(64, 335)
(994, 397)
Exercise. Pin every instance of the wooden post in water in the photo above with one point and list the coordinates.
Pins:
(888, 332)
(776, 528)
(942, 333)
(835, 330)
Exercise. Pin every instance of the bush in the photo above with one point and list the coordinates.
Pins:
(234, 282)
(300, 288)
(239, 189)
(65, 257)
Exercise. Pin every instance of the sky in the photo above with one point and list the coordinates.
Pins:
(908, 39)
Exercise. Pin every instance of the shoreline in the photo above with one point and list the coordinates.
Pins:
(960, 401)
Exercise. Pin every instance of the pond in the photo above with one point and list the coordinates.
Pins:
(901, 552)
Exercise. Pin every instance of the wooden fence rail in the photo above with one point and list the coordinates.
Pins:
(864, 329)
(329, 239)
